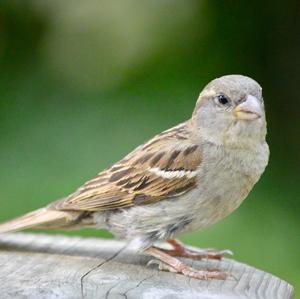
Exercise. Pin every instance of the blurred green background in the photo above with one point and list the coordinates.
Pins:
(84, 82)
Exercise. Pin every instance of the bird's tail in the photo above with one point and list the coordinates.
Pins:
(42, 218)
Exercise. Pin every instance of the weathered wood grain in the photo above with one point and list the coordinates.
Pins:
(47, 266)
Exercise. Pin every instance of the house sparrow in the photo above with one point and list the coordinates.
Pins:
(184, 179)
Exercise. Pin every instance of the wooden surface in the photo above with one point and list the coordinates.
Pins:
(47, 266)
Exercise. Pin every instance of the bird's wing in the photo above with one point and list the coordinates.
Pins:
(166, 166)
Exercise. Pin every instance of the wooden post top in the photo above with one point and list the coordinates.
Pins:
(55, 266)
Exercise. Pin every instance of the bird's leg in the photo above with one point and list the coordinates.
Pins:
(180, 250)
(172, 264)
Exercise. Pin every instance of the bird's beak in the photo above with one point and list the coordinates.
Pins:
(250, 109)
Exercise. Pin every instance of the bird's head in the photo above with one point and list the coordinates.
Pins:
(230, 110)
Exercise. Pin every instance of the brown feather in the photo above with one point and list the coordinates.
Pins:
(42, 218)
(131, 182)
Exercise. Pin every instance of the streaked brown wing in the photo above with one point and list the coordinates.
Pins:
(163, 167)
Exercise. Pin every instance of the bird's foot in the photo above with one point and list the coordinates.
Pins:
(180, 250)
(171, 264)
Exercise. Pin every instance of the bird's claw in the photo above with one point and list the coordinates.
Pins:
(162, 266)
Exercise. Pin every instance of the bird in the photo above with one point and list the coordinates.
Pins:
(184, 179)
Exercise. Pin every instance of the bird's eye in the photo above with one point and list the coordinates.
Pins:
(222, 99)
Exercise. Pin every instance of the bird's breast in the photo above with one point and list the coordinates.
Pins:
(224, 180)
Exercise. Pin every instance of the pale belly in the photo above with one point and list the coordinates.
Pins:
(169, 218)
(222, 186)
